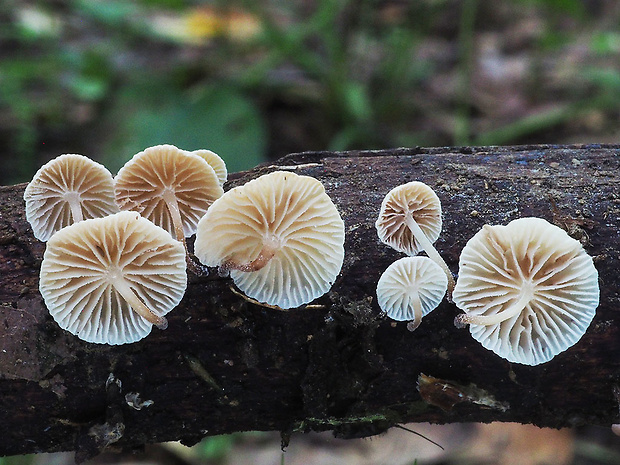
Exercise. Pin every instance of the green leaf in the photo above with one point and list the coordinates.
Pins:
(220, 118)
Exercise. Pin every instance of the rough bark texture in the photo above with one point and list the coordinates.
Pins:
(225, 364)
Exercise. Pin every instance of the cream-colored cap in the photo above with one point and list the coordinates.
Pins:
(171, 187)
(412, 200)
(216, 162)
(66, 190)
(411, 288)
(108, 280)
(280, 236)
(528, 290)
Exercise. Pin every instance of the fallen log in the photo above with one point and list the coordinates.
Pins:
(226, 364)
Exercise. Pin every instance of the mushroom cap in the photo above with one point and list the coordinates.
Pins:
(499, 263)
(407, 278)
(82, 260)
(142, 182)
(281, 209)
(67, 178)
(216, 162)
(413, 198)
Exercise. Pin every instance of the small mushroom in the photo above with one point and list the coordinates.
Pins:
(280, 236)
(411, 288)
(108, 280)
(171, 187)
(528, 290)
(216, 162)
(410, 221)
(66, 190)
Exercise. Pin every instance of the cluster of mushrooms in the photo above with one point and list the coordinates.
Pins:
(116, 259)
(529, 291)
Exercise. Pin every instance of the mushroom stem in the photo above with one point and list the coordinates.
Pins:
(417, 312)
(137, 305)
(76, 209)
(175, 213)
(464, 319)
(179, 233)
(267, 253)
(430, 250)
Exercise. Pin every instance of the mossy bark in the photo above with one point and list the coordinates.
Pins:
(226, 364)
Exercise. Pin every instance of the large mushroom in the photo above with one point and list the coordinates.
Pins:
(68, 189)
(411, 288)
(410, 221)
(528, 290)
(108, 280)
(280, 236)
(171, 187)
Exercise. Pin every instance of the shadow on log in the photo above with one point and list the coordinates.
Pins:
(225, 364)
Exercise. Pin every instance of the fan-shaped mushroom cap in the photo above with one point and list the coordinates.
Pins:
(66, 190)
(171, 187)
(410, 288)
(216, 162)
(528, 289)
(108, 280)
(414, 199)
(280, 235)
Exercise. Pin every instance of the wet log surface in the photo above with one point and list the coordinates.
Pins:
(225, 364)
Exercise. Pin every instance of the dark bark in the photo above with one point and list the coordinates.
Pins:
(227, 365)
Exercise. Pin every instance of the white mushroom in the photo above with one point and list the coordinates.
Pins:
(280, 236)
(411, 288)
(171, 187)
(528, 290)
(66, 190)
(108, 280)
(216, 162)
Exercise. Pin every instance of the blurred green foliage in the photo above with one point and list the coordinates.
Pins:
(110, 78)
(81, 80)
(362, 100)
(218, 117)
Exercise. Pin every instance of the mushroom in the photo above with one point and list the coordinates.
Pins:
(528, 290)
(108, 280)
(411, 288)
(66, 190)
(216, 162)
(171, 187)
(280, 236)
(410, 221)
